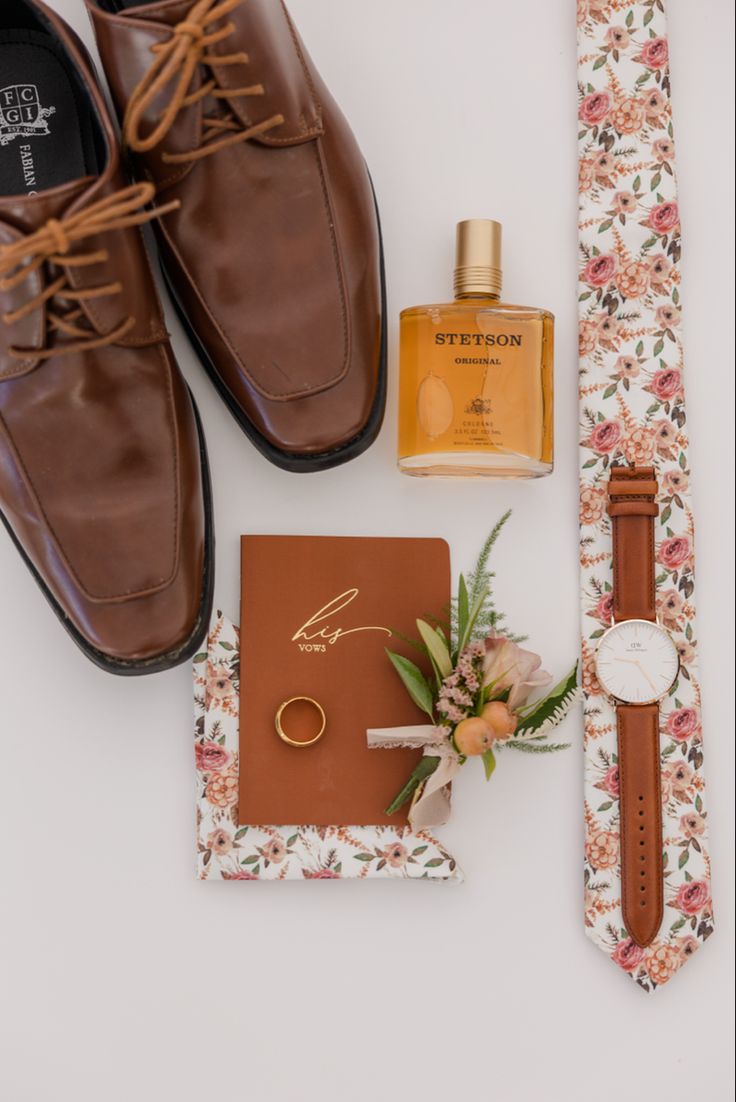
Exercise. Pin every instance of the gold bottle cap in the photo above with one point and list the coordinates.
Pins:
(478, 264)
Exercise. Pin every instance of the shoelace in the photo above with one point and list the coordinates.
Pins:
(51, 244)
(176, 63)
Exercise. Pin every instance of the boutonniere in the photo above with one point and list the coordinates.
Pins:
(483, 696)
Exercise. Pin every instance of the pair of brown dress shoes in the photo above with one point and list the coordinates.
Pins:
(269, 242)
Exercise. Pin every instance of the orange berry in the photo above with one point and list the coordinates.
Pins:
(499, 719)
(473, 737)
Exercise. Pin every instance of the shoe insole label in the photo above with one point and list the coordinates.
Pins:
(41, 143)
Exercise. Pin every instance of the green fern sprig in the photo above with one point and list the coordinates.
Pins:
(478, 589)
(534, 747)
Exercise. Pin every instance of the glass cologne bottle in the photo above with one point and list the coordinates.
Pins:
(476, 375)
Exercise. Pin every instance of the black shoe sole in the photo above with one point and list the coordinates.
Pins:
(135, 667)
(307, 463)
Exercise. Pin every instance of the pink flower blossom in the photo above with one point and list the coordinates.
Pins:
(655, 53)
(664, 217)
(210, 757)
(509, 666)
(692, 825)
(683, 724)
(694, 897)
(603, 611)
(675, 552)
(600, 270)
(659, 269)
(595, 107)
(618, 38)
(605, 436)
(611, 782)
(666, 384)
(628, 955)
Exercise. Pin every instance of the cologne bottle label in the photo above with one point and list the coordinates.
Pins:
(476, 382)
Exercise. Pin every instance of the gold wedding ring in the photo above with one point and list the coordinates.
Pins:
(282, 733)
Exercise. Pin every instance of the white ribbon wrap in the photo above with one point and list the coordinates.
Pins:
(431, 803)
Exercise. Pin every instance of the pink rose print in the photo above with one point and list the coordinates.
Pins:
(608, 330)
(611, 782)
(666, 384)
(692, 825)
(582, 13)
(679, 778)
(669, 606)
(665, 435)
(668, 316)
(655, 54)
(674, 481)
(211, 757)
(693, 898)
(664, 217)
(595, 108)
(688, 946)
(220, 842)
(686, 652)
(624, 202)
(683, 724)
(320, 874)
(674, 552)
(396, 855)
(605, 437)
(628, 955)
(275, 850)
(626, 367)
(659, 269)
(600, 270)
(618, 38)
(654, 104)
(604, 609)
(241, 874)
(219, 682)
(663, 149)
(604, 165)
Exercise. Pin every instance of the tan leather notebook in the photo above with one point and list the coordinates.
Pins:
(317, 614)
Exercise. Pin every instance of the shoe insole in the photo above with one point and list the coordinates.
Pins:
(46, 129)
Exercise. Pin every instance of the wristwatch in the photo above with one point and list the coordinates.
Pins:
(637, 665)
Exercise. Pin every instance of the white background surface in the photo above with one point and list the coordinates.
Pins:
(121, 976)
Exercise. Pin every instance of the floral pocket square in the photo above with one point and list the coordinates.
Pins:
(228, 851)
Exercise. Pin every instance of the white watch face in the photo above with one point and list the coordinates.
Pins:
(637, 662)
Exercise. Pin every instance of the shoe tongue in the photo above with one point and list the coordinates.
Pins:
(165, 11)
(262, 30)
(28, 213)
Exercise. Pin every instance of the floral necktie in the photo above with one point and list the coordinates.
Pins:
(633, 410)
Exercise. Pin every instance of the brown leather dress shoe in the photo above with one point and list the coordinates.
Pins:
(274, 258)
(104, 485)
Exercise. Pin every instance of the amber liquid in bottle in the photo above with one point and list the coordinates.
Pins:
(476, 377)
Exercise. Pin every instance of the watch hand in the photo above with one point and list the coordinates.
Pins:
(646, 675)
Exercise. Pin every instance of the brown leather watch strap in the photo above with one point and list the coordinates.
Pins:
(642, 872)
(632, 507)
